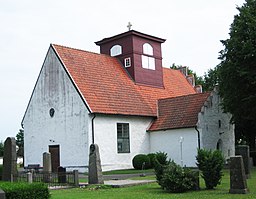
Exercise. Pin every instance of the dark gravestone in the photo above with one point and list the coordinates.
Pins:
(47, 167)
(10, 160)
(243, 150)
(95, 172)
(238, 183)
(62, 175)
(2, 194)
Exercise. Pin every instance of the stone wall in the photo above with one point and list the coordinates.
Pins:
(215, 128)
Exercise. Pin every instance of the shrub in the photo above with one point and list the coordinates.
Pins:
(152, 159)
(175, 179)
(160, 163)
(141, 161)
(211, 164)
(21, 190)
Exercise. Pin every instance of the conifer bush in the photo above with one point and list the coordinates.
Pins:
(160, 163)
(210, 163)
(176, 179)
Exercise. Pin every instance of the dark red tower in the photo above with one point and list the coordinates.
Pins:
(139, 53)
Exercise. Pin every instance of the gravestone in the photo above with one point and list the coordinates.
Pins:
(47, 166)
(238, 183)
(2, 194)
(95, 171)
(10, 160)
(62, 175)
(243, 150)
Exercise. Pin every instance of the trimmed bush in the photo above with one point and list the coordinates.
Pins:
(21, 190)
(175, 179)
(139, 160)
(211, 164)
(152, 159)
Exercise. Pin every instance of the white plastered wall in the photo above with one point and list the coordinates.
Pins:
(105, 128)
(68, 128)
(169, 141)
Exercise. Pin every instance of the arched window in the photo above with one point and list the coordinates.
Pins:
(116, 50)
(219, 145)
(147, 49)
(148, 62)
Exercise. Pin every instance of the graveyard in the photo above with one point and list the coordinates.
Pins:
(238, 180)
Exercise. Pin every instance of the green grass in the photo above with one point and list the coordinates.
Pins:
(153, 191)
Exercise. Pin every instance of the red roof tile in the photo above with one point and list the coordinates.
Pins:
(107, 88)
(179, 112)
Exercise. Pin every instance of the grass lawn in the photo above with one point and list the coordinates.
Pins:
(153, 191)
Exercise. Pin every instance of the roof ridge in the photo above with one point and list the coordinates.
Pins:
(77, 49)
(204, 93)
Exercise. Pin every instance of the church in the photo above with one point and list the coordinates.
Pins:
(123, 100)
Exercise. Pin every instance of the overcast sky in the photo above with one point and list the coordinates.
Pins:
(192, 29)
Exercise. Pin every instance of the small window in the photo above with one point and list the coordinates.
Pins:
(219, 123)
(123, 138)
(116, 50)
(147, 49)
(127, 62)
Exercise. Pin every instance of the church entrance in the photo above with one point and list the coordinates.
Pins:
(55, 156)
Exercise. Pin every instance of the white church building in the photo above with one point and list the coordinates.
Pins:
(125, 101)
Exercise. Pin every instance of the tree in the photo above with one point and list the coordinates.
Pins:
(237, 71)
(20, 142)
(1, 149)
(208, 81)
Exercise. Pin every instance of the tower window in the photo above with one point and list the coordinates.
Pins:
(127, 62)
(116, 50)
(148, 62)
(147, 49)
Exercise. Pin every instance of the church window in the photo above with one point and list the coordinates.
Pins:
(123, 138)
(148, 61)
(116, 50)
(147, 49)
(127, 62)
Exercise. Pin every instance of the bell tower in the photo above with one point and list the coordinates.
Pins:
(139, 53)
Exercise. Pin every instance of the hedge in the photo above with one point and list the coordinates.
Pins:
(22, 190)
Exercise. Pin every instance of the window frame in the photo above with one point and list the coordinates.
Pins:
(127, 62)
(116, 50)
(123, 138)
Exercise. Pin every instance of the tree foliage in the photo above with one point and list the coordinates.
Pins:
(237, 70)
(208, 81)
(20, 142)
(1, 149)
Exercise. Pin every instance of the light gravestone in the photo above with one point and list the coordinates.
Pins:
(47, 166)
(244, 151)
(238, 183)
(10, 160)
(95, 171)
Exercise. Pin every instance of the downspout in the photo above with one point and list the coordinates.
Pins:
(198, 137)
(93, 127)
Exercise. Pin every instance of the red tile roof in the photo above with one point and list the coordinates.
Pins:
(107, 88)
(179, 112)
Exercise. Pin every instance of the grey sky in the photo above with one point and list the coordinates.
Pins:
(193, 30)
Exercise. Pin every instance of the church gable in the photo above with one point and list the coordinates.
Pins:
(55, 113)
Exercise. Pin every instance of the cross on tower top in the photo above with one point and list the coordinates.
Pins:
(129, 26)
